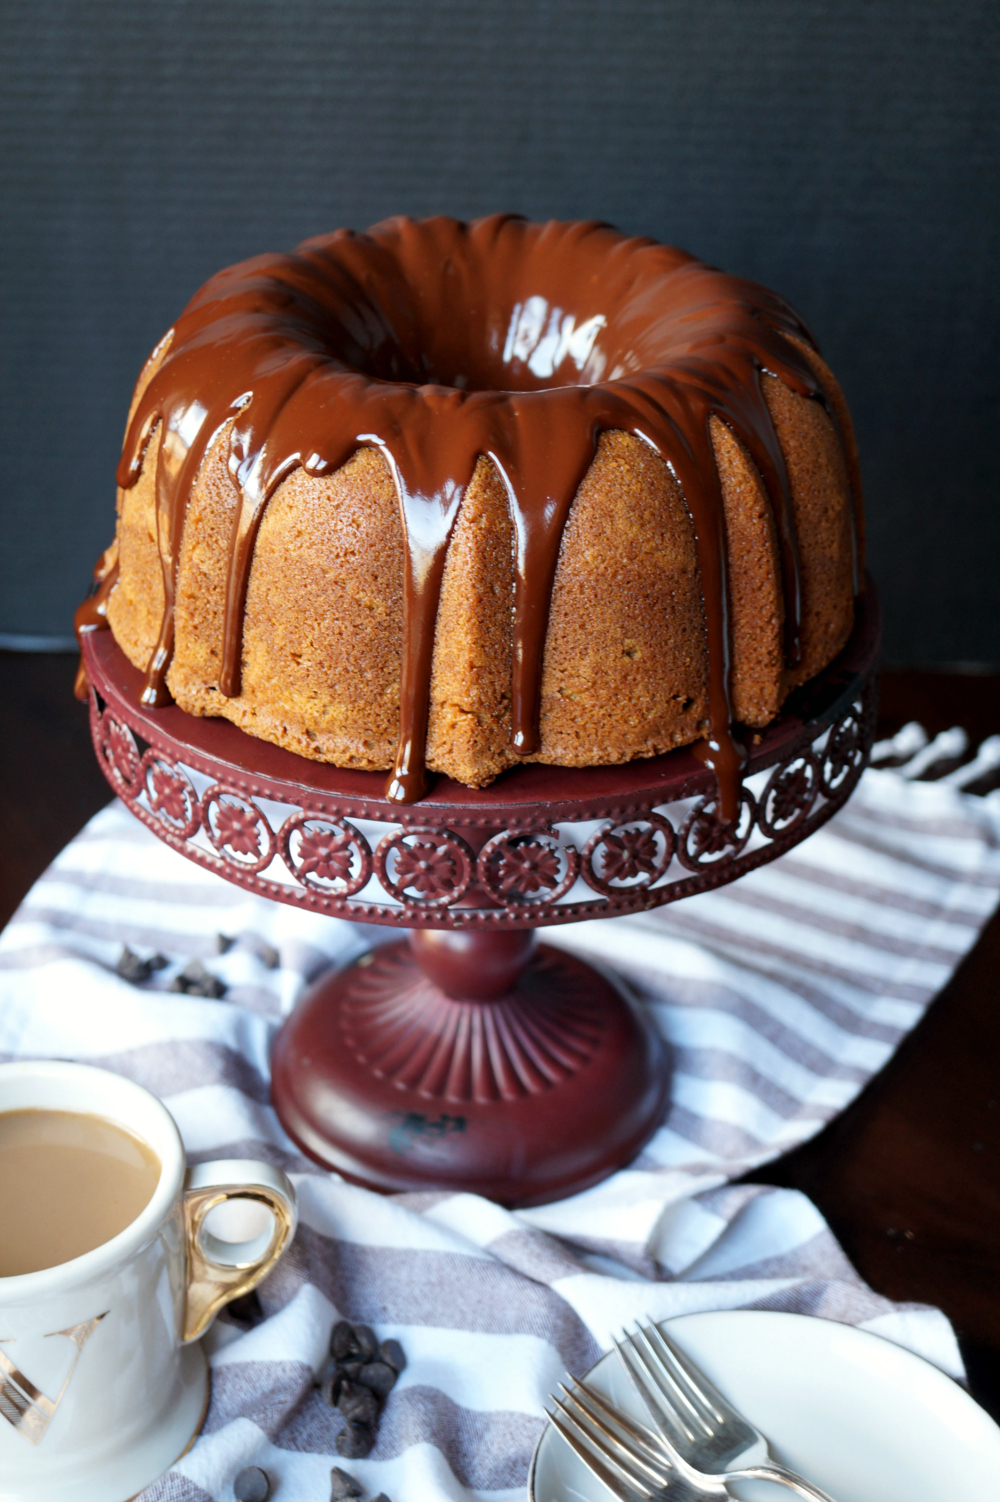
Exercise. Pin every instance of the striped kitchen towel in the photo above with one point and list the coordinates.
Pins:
(781, 996)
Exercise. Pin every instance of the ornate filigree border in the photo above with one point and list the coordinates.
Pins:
(523, 873)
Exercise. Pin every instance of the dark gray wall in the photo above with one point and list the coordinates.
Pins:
(843, 152)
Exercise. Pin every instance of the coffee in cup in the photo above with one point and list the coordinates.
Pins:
(69, 1182)
(112, 1264)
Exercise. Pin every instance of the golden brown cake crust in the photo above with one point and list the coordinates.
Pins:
(624, 670)
(626, 661)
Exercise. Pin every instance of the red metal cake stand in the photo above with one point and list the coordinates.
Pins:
(465, 1057)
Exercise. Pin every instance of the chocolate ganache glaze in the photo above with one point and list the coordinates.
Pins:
(436, 342)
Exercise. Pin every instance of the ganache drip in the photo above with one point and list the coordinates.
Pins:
(93, 613)
(437, 342)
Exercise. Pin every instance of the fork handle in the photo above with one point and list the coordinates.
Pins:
(783, 1476)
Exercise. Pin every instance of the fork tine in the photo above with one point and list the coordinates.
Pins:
(591, 1447)
(720, 1408)
(653, 1394)
(667, 1371)
(657, 1472)
(698, 1385)
(592, 1461)
(644, 1439)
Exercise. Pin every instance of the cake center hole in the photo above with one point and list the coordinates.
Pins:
(533, 345)
(552, 345)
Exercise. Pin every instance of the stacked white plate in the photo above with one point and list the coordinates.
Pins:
(864, 1419)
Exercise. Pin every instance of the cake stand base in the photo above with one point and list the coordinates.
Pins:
(470, 1061)
(460, 1060)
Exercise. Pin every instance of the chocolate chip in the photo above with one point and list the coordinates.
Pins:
(342, 1342)
(246, 1309)
(381, 1498)
(195, 980)
(355, 1441)
(358, 1404)
(251, 1485)
(203, 983)
(392, 1353)
(343, 1484)
(223, 943)
(367, 1340)
(351, 1366)
(157, 962)
(379, 1377)
(331, 1384)
(269, 956)
(131, 968)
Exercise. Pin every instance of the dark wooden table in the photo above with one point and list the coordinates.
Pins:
(908, 1177)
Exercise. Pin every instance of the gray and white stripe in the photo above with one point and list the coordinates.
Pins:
(780, 997)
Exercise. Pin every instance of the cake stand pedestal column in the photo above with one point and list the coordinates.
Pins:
(473, 1059)
(466, 1058)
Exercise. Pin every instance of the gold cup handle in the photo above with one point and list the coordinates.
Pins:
(219, 1271)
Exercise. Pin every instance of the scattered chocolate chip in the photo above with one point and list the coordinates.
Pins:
(331, 1384)
(195, 980)
(131, 968)
(359, 1377)
(343, 1484)
(342, 1342)
(358, 1404)
(381, 1498)
(367, 1340)
(269, 956)
(378, 1377)
(355, 1441)
(391, 1352)
(223, 943)
(251, 1485)
(246, 1309)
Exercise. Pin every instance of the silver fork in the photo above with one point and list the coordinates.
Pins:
(708, 1439)
(624, 1454)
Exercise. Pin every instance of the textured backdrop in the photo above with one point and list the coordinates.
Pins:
(845, 153)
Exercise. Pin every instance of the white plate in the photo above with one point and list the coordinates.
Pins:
(863, 1418)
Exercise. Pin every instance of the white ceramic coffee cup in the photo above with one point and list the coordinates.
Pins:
(102, 1381)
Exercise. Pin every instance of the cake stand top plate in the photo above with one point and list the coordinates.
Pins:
(540, 845)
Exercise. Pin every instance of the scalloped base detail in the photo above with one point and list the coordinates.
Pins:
(533, 1096)
(409, 1033)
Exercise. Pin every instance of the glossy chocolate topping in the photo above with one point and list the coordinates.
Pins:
(436, 342)
(94, 612)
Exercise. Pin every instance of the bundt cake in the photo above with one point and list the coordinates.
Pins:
(456, 495)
